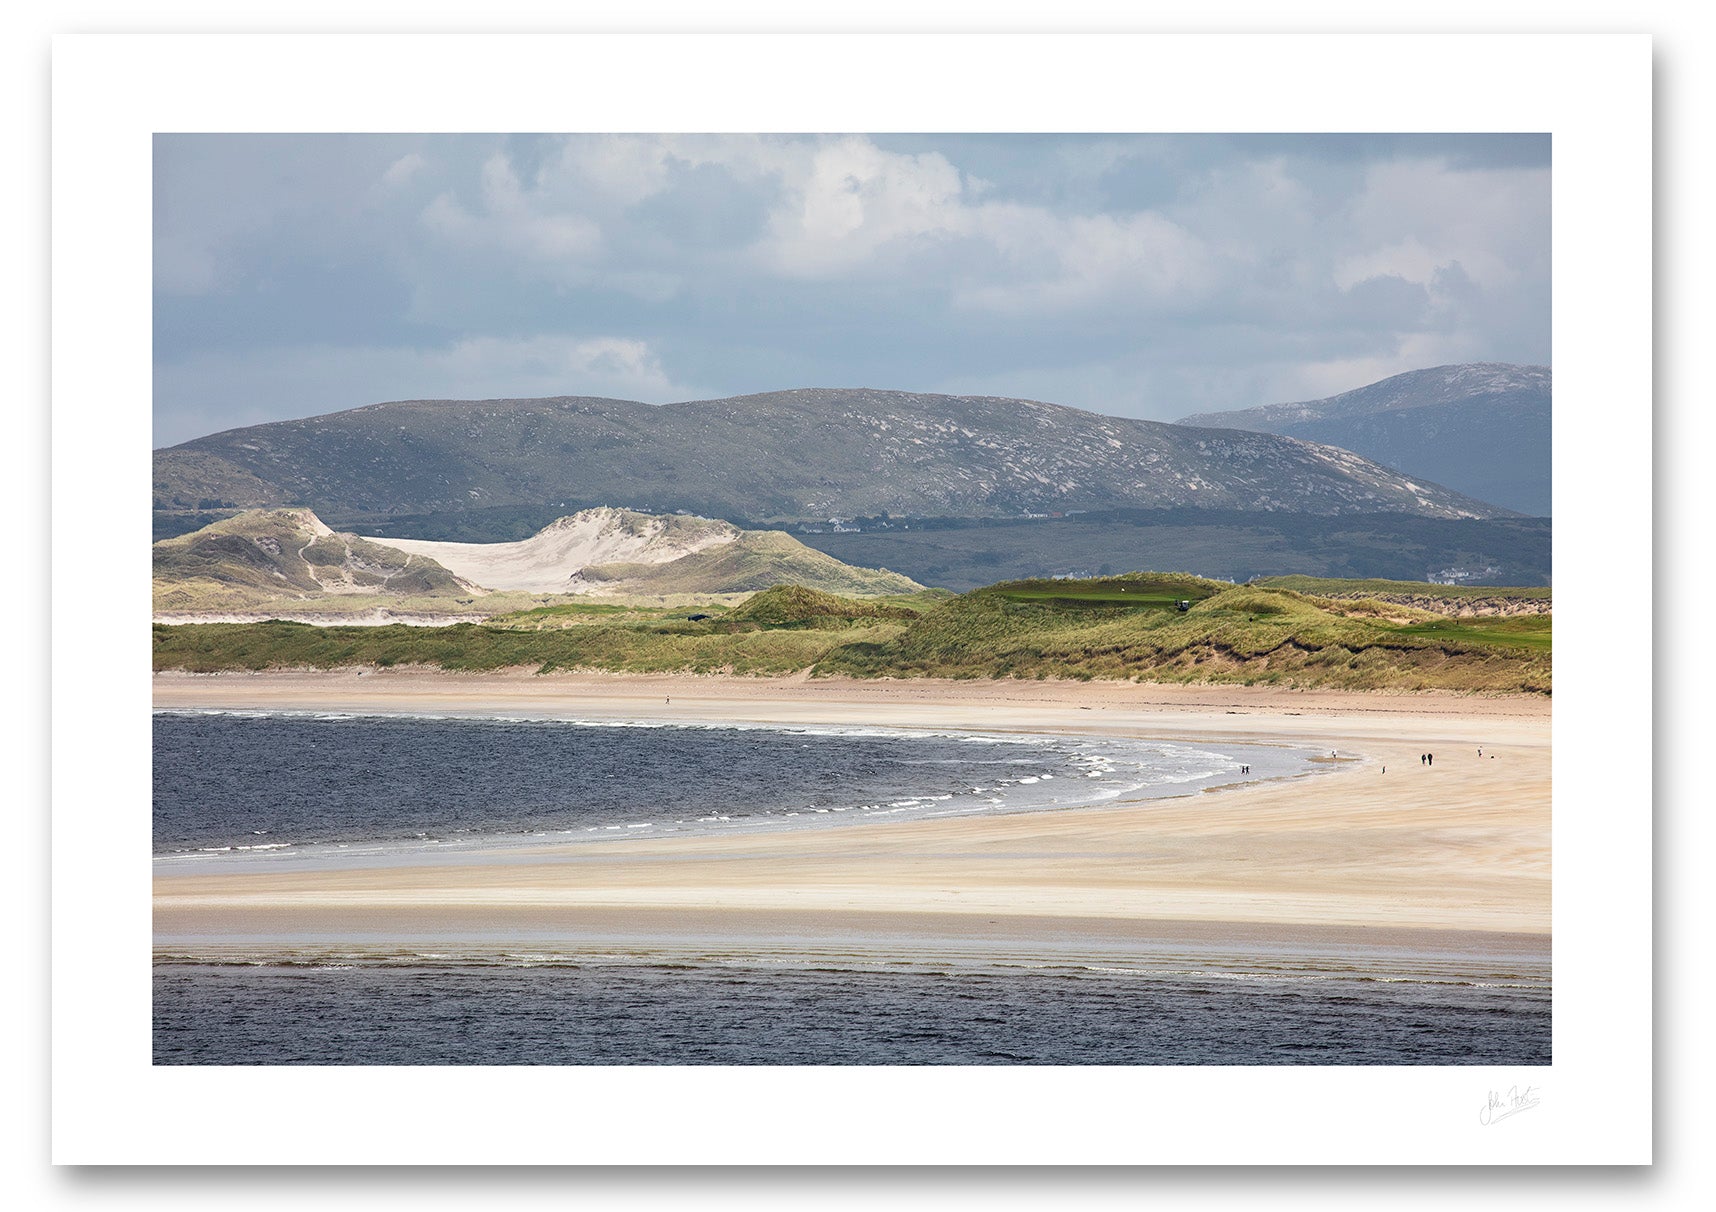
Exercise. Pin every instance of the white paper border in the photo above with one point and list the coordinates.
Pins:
(112, 93)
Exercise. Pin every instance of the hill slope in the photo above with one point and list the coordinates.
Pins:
(794, 454)
(551, 559)
(263, 558)
(756, 559)
(1481, 428)
(270, 554)
(1126, 627)
(619, 552)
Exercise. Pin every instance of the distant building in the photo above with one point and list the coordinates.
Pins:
(1462, 576)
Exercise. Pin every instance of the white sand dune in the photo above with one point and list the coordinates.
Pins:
(548, 561)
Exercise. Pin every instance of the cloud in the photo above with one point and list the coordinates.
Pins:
(1088, 260)
(1145, 274)
(1425, 215)
(511, 221)
(845, 204)
(852, 209)
(617, 364)
(198, 396)
(403, 169)
(833, 210)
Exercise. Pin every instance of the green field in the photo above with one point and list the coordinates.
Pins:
(1110, 628)
(1526, 631)
(1138, 590)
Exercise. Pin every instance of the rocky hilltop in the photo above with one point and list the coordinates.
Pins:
(783, 455)
(1482, 428)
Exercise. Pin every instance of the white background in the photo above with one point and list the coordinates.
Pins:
(111, 1106)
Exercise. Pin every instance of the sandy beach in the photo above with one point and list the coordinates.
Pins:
(1376, 850)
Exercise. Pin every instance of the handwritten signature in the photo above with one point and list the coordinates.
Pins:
(1498, 1107)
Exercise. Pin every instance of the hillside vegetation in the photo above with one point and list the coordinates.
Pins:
(797, 606)
(809, 453)
(756, 559)
(264, 555)
(1129, 627)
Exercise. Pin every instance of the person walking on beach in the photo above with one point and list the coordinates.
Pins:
(1430, 759)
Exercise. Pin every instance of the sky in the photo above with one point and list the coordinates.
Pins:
(1148, 276)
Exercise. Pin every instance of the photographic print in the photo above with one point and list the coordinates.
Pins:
(852, 599)
(1010, 613)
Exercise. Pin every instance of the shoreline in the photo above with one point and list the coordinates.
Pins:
(795, 697)
(1352, 857)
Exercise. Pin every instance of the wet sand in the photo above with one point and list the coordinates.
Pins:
(1450, 857)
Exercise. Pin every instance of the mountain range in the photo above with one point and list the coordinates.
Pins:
(1450, 482)
(1481, 428)
(792, 455)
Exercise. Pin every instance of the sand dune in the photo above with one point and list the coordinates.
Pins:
(549, 560)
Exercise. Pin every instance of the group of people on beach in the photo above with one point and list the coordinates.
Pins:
(1429, 759)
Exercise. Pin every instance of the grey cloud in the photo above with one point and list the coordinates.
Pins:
(1147, 275)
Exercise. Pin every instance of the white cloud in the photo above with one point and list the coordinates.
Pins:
(845, 202)
(838, 209)
(513, 220)
(1088, 260)
(198, 396)
(1421, 215)
(1135, 274)
(609, 170)
(403, 169)
(850, 209)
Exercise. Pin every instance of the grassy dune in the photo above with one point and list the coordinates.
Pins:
(468, 647)
(1230, 634)
(1112, 628)
(757, 559)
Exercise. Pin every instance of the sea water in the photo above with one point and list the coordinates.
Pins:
(290, 786)
(539, 1006)
(273, 789)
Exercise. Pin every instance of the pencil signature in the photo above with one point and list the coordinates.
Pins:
(1498, 1107)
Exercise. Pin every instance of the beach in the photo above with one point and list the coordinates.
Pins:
(1374, 850)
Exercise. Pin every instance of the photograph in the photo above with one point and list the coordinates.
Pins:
(852, 599)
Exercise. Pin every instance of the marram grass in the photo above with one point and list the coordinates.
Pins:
(1128, 628)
